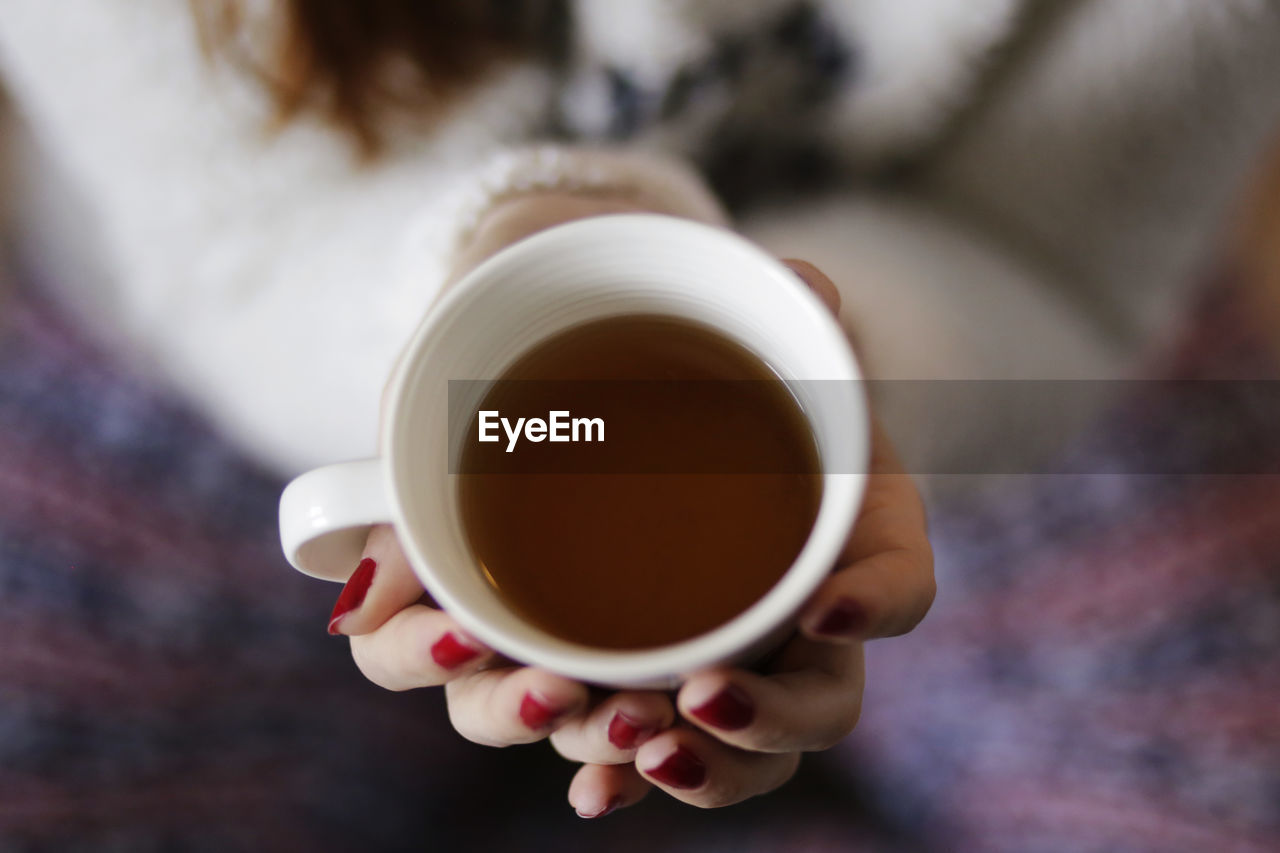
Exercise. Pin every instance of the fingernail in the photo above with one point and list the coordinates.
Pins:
(681, 769)
(537, 713)
(730, 709)
(846, 618)
(450, 653)
(352, 595)
(625, 733)
(610, 806)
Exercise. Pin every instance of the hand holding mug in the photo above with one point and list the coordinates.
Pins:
(731, 733)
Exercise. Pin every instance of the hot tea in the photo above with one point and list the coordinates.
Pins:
(637, 481)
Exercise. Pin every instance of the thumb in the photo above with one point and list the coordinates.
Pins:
(381, 586)
(818, 282)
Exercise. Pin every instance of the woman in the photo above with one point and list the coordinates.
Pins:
(986, 215)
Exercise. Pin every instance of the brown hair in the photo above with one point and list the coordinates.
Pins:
(356, 61)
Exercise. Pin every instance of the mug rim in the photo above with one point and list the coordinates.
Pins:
(841, 493)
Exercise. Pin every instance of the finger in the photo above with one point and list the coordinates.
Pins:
(804, 710)
(611, 732)
(887, 583)
(818, 282)
(892, 513)
(509, 705)
(597, 789)
(418, 647)
(697, 769)
(381, 585)
(881, 596)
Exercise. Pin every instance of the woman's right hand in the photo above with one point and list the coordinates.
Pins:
(401, 641)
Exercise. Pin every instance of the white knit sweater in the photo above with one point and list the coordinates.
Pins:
(1076, 162)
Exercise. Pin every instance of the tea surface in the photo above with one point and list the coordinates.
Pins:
(699, 497)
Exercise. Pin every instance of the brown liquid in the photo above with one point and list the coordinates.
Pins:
(614, 555)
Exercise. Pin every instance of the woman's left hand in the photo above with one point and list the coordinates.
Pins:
(741, 733)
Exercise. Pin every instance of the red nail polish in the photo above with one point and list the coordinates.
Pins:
(352, 595)
(536, 713)
(681, 769)
(846, 618)
(450, 653)
(624, 733)
(730, 709)
(609, 807)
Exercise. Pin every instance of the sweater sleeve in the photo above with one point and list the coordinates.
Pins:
(1055, 226)
(1111, 144)
(1063, 221)
(271, 277)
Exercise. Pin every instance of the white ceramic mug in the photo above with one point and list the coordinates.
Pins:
(582, 271)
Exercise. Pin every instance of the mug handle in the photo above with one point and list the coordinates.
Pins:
(325, 516)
